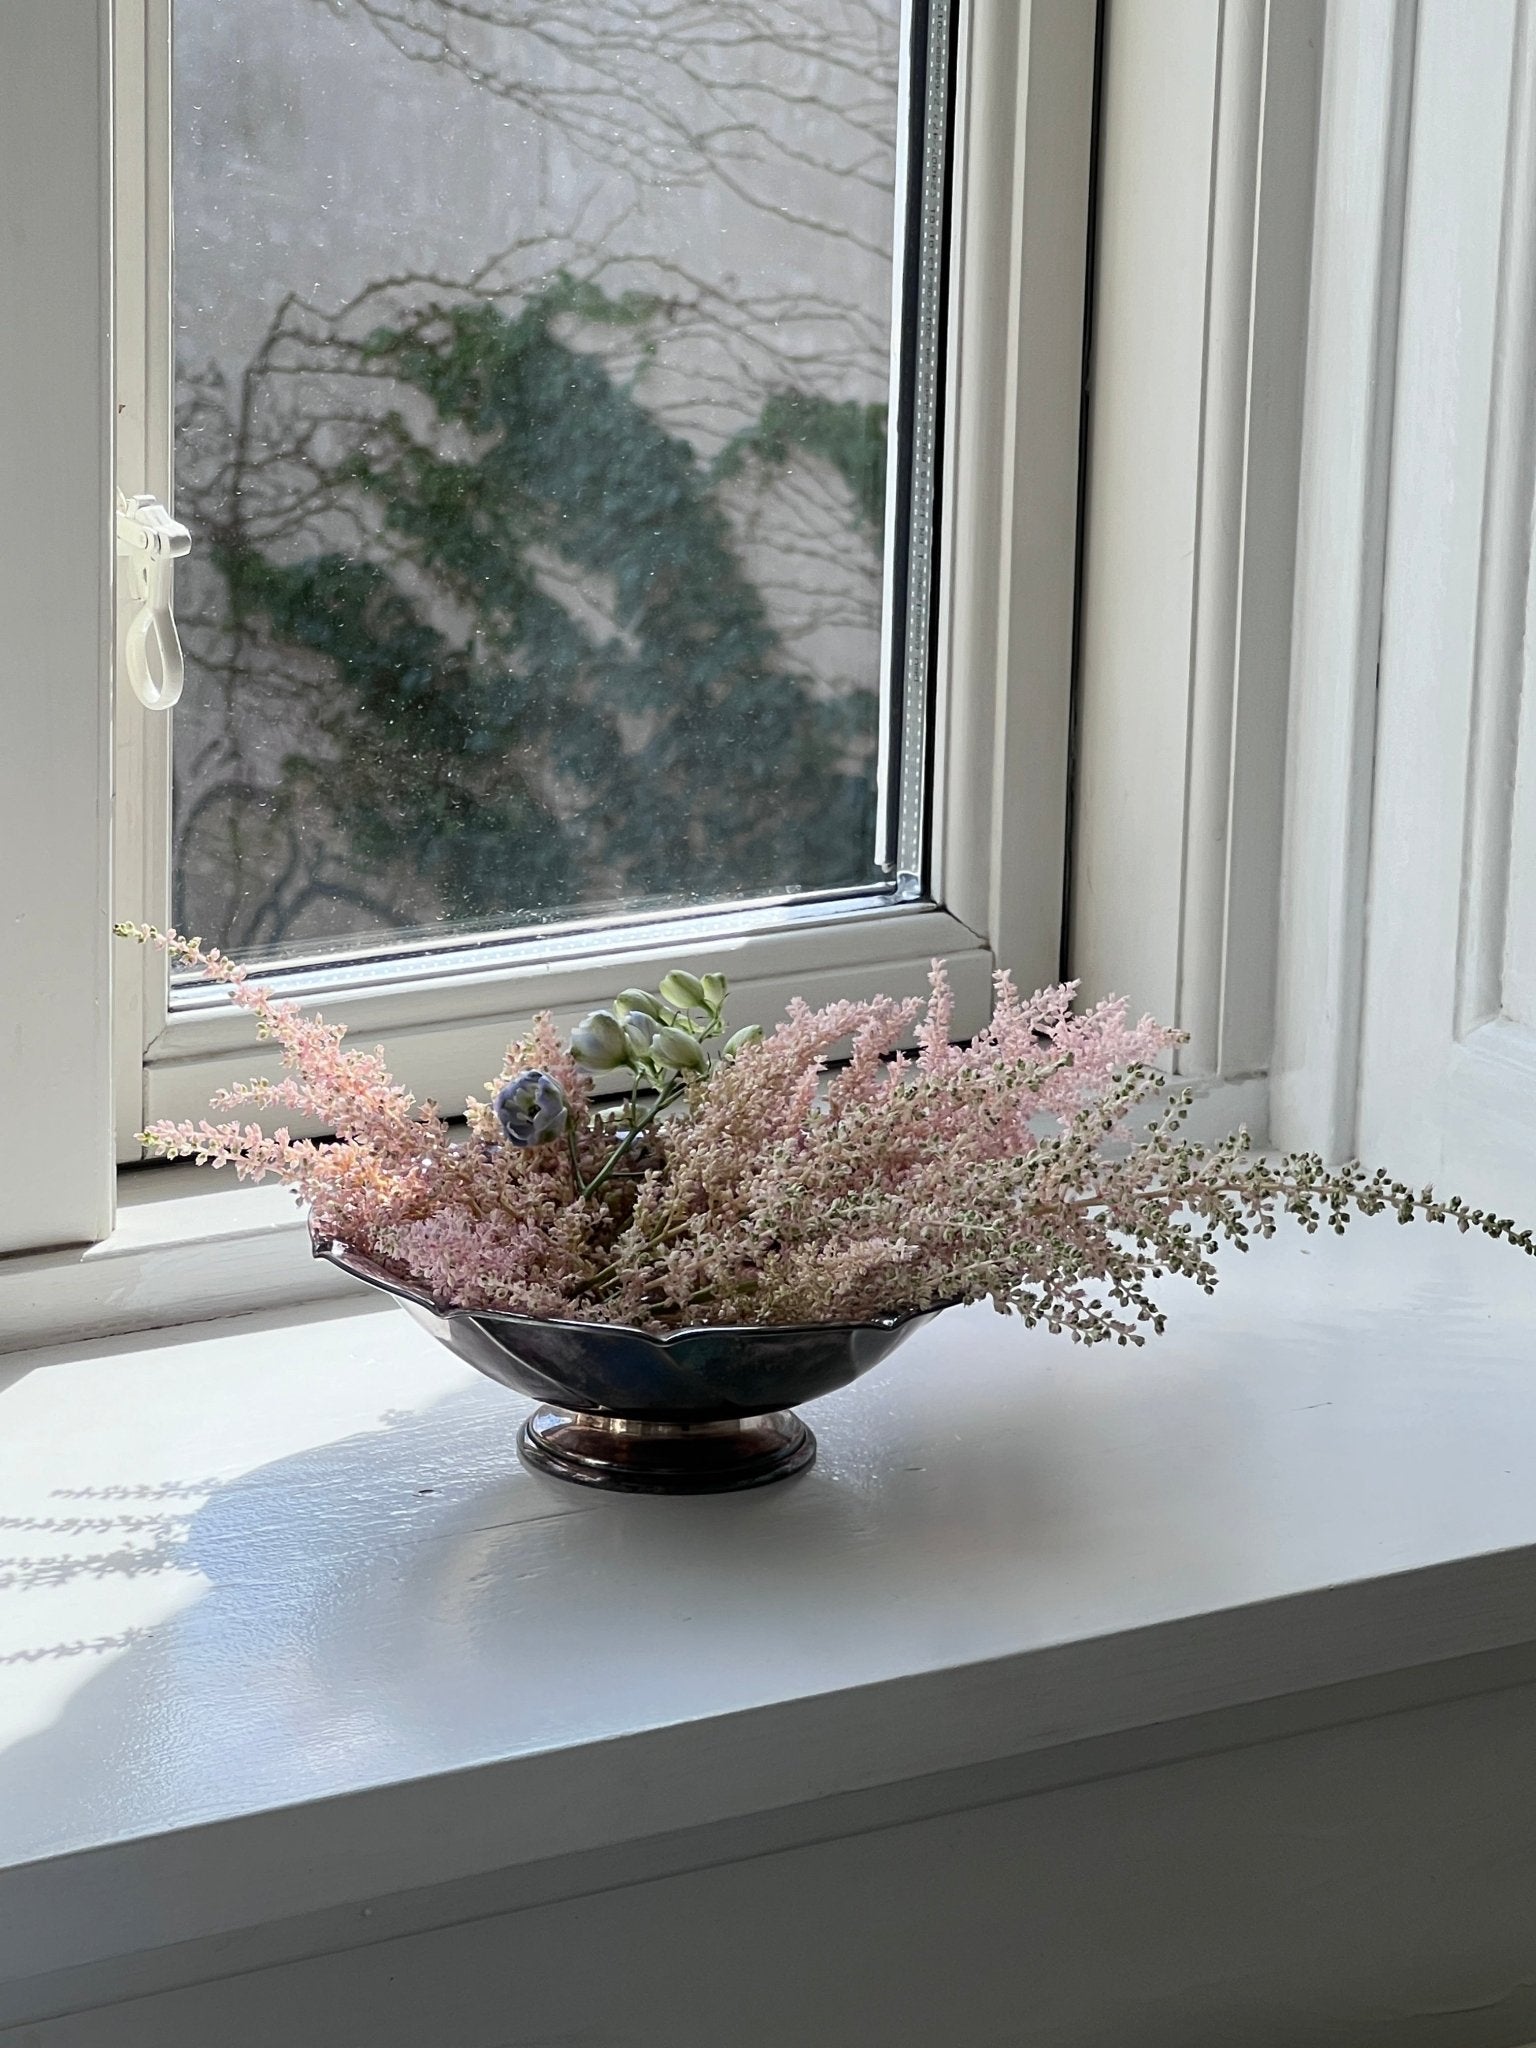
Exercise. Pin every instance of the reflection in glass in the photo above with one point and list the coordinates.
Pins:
(532, 367)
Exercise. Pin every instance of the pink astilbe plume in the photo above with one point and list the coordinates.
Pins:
(1041, 1166)
(392, 1183)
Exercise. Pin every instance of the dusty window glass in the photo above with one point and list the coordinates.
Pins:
(533, 361)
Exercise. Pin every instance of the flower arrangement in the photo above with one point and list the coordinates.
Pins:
(739, 1180)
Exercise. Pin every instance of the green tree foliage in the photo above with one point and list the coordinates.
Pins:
(546, 754)
(849, 436)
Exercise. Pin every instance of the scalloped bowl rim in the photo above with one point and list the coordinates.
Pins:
(341, 1255)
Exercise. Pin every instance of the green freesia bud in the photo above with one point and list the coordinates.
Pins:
(679, 1050)
(635, 1001)
(749, 1034)
(683, 991)
(598, 1042)
(714, 987)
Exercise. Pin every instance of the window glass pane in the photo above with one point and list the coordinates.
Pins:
(532, 371)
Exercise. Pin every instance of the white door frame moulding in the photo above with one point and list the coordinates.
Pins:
(1447, 1057)
(1205, 218)
(1490, 1079)
(1367, 97)
(1505, 593)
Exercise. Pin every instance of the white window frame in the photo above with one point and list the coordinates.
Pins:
(1200, 382)
(56, 580)
(443, 1031)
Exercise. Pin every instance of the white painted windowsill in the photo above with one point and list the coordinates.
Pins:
(285, 1628)
(189, 1243)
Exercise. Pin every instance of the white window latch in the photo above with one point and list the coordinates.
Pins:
(151, 540)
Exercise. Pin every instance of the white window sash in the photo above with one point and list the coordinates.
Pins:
(1004, 602)
(1004, 599)
(1003, 613)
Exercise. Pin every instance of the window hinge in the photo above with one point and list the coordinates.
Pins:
(152, 540)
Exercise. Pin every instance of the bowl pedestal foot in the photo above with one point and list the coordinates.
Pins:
(665, 1457)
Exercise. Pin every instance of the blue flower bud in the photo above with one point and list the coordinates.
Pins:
(599, 1042)
(532, 1109)
(679, 1050)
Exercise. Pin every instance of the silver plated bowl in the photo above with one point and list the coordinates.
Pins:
(696, 1411)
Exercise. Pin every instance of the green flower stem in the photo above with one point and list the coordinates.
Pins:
(605, 1172)
(570, 1146)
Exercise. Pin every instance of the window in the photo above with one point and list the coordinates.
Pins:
(532, 375)
(601, 436)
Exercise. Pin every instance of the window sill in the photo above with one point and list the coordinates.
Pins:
(291, 1629)
(188, 1244)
